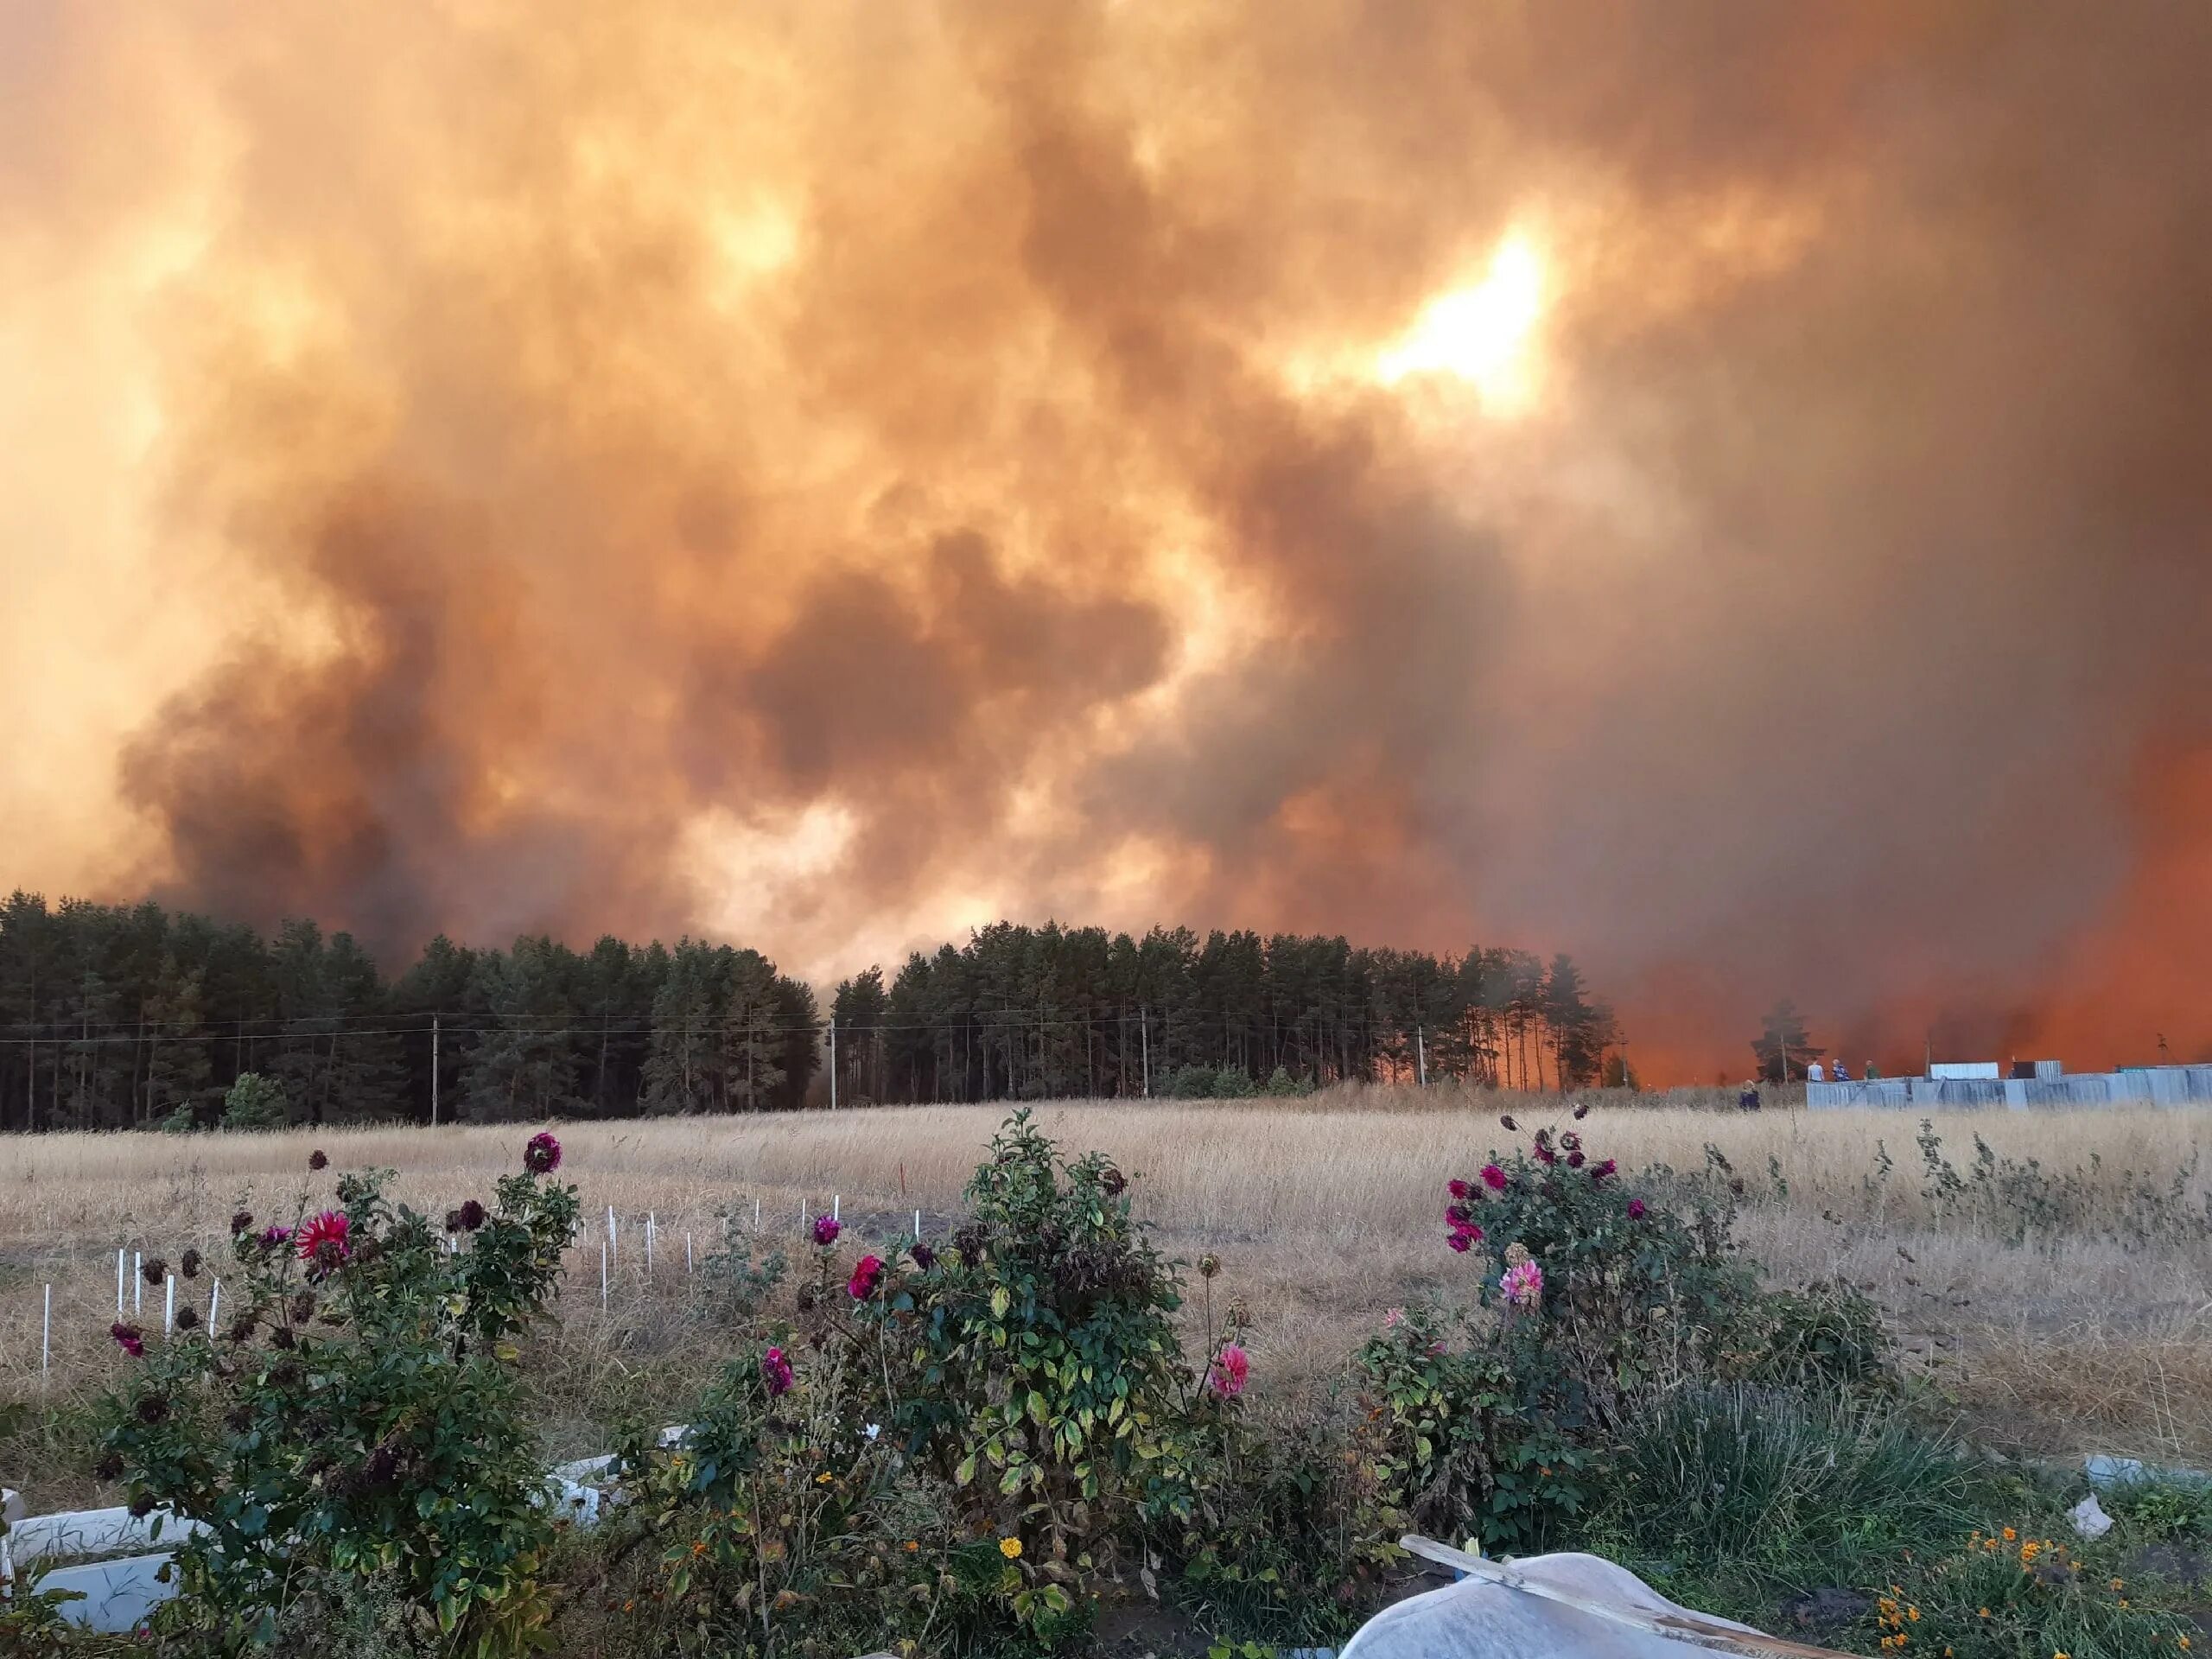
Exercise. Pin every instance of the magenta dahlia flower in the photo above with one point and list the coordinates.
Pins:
(1635, 1209)
(866, 1272)
(130, 1339)
(776, 1371)
(826, 1229)
(325, 1242)
(1229, 1370)
(542, 1155)
(1493, 1178)
(1600, 1172)
(1458, 1188)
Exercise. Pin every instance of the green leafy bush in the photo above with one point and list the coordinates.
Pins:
(1481, 1428)
(358, 1417)
(255, 1102)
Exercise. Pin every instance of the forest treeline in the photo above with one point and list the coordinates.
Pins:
(121, 1016)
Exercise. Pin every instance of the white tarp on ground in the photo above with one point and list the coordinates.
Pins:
(1563, 1606)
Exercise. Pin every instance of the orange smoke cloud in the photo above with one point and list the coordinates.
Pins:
(1718, 492)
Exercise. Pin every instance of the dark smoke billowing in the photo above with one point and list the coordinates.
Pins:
(637, 430)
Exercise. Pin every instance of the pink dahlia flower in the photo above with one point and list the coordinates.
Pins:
(1229, 1368)
(1523, 1284)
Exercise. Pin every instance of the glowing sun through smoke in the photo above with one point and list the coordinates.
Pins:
(1480, 334)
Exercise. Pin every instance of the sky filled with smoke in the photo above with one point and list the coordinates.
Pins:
(833, 474)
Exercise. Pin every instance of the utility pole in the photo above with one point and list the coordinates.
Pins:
(434, 1071)
(833, 1062)
(1144, 1032)
(1421, 1055)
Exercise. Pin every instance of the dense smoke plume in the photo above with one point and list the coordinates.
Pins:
(837, 471)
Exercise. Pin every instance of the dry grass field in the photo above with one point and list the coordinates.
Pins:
(2064, 1307)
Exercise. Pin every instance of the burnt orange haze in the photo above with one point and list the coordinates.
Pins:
(1721, 490)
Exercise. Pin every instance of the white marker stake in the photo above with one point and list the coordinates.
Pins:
(614, 1242)
(137, 1281)
(46, 1334)
(603, 1277)
(215, 1304)
(837, 1203)
(756, 1215)
(169, 1305)
(649, 1243)
(118, 1284)
(687, 1255)
(918, 1225)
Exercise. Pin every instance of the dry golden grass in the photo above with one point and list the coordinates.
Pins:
(1325, 1212)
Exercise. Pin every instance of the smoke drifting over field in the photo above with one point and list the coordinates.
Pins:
(839, 472)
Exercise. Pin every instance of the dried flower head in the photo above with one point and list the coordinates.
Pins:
(1209, 1265)
(1582, 1111)
(152, 1409)
(776, 1371)
(1515, 1254)
(1113, 1181)
(140, 1506)
(1509, 1125)
(318, 1158)
(154, 1269)
(541, 1156)
(187, 1320)
(130, 1339)
(189, 1264)
(471, 1216)
(924, 1258)
(110, 1466)
(240, 1221)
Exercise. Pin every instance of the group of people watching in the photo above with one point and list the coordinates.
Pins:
(1839, 1072)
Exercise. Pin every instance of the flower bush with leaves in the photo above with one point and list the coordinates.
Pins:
(1632, 1277)
(1042, 1351)
(358, 1414)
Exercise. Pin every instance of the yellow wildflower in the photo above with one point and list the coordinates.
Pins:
(2010, 1534)
(1984, 1612)
(1913, 1613)
(825, 1478)
(1011, 1548)
(911, 1546)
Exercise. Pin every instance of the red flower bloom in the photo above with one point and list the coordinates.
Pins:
(1544, 1153)
(1574, 1158)
(324, 1243)
(1457, 1189)
(130, 1337)
(1493, 1178)
(1599, 1171)
(865, 1272)
(1465, 1235)
(1635, 1209)
(542, 1155)
(826, 1229)
(776, 1371)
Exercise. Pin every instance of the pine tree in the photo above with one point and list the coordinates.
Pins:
(1783, 1047)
